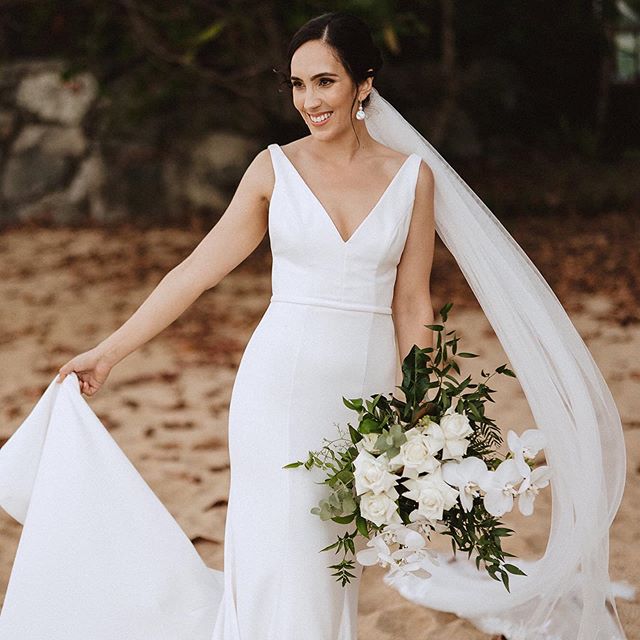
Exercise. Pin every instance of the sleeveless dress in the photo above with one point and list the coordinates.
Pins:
(101, 558)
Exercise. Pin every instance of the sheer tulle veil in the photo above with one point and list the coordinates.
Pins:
(567, 593)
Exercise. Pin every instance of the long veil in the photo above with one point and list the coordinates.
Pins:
(567, 593)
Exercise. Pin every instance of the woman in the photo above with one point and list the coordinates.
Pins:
(339, 216)
(352, 223)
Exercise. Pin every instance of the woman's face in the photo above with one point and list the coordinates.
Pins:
(323, 88)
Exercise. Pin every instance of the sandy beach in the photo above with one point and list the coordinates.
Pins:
(166, 405)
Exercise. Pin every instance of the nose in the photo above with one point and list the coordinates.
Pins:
(311, 100)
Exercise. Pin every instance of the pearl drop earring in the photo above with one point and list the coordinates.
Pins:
(360, 114)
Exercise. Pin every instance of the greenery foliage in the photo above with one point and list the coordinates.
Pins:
(429, 387)
(194, 62)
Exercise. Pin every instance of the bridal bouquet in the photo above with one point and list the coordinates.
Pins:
(427, 464)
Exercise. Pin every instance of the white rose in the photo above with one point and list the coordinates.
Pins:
(432, 494)
(379, 509)
(455, 426)
(431, 503)
(415, 455)
(372, 474)
(454, 449)
(435, 437)
(414, 452)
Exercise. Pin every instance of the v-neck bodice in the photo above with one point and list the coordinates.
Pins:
(312, 263)
(326, 211)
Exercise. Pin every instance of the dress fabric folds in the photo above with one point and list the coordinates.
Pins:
(100, 557)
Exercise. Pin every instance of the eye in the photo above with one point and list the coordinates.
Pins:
(296, 83)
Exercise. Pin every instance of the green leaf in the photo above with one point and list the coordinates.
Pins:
(361, 526)
(211, 32)
(351, 545)
(502, 531)
(505, 579)
(474, 411)
(466, 354)
(344, 475)
(353, 403)
(445, 310)
(344, 519)
(369, 425)
(511, 568)
(331, 546)
(293, 465)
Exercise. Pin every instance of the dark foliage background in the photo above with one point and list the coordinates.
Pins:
(518, 93)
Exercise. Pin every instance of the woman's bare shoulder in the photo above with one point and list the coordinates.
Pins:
(390, 154)
(296, 148)
(260, 175)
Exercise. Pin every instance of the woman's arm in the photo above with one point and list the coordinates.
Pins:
(234, 237)
(411, 304)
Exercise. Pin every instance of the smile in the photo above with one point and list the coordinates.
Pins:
(321, 118)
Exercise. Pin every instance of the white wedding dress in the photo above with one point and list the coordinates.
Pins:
(100, 558)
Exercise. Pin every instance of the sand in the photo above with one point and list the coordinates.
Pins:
(166, 405)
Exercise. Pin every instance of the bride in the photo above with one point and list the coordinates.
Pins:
(352, 210)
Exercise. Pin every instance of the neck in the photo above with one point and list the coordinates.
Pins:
(346, 147)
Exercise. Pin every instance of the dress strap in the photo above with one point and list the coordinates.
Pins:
(415, 170)
(274, 151)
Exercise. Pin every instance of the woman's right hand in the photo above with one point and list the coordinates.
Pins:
(91, 368)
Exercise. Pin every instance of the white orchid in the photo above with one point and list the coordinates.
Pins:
(372, 474)
(432, 493)
(416, 563)
(499, 487)
(467, 476)
(525, 446)
(426, 525)
(415, 455)
(377, 551)
(413, 556)
(530, 487)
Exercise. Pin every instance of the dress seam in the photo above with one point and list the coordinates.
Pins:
(285, 546)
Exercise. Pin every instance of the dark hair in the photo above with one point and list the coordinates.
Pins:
(351, 40)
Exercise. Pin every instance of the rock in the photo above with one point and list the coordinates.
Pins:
(188, 187)
(55, 140)
(201, 174)
(48, 96)
(54, 207)
(32, 174)
(41, 160)
(87, 181)
(134, 183)
(223, 157)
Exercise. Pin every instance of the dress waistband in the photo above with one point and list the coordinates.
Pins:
(336, 304)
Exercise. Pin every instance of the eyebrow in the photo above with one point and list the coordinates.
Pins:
(317, 75)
